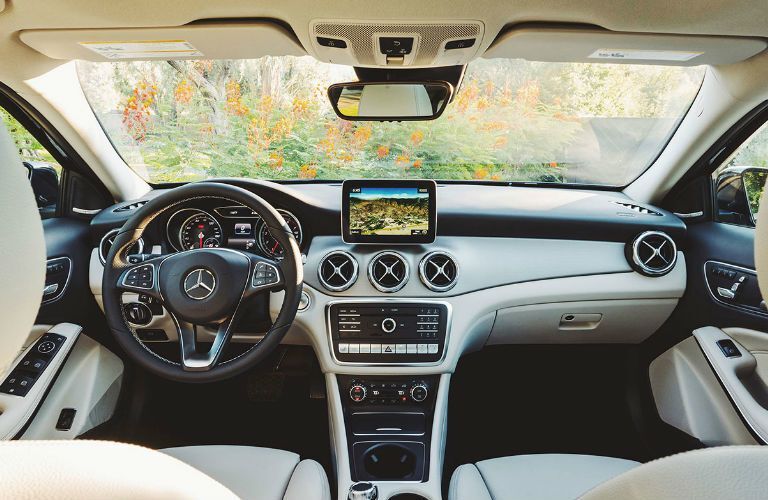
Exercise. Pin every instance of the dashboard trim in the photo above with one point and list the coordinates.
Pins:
(449, 319)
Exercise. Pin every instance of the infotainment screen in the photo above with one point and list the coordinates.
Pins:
(384, 211)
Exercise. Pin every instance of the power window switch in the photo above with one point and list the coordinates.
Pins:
(35, 365)
(17, 385)
(729, 348)
(66, 419)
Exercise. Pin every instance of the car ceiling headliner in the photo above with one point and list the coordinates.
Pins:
(703, 17)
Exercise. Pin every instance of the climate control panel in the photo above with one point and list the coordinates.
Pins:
(388, 332)
(388, 392)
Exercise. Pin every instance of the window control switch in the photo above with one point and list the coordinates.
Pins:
(729, 348)
(66, 419)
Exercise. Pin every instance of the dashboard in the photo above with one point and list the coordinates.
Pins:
(477, 265)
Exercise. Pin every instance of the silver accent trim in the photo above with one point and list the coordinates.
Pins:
(448, 318)
(199, 283)
(691, 215)
(352, 279)
(66, 282)
(85, 211)
(261, 225)
(376, 284)
(643, 264)
(733, 305)
(103, 258)
(423, 271)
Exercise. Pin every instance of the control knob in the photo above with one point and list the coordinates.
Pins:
(419, 392)
(357, 393)
(388, 325)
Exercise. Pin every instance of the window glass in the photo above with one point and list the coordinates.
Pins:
(42, 169)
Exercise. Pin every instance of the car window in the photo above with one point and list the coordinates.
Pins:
(510, 121)
(43, 171)
(740, 180)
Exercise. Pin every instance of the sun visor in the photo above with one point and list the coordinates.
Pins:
(602, 46)
(192, 41)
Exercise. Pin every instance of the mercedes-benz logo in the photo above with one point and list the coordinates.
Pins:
(199, 284)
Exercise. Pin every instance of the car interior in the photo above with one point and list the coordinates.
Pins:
(383, 251)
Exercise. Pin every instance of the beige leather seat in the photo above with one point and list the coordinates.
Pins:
(88, 470)
(534, 477)
(721, 473)
(258, 473)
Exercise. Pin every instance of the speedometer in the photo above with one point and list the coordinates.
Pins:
(269, 245)
(200, 231)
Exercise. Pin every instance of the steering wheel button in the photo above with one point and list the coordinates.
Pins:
(259, 282)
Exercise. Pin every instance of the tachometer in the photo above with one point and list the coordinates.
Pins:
(200, 231)
(269, 245)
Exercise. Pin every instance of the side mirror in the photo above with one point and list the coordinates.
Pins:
(390, 101)
(754, 184)
(738, 192)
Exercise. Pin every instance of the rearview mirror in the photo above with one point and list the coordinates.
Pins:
(390, 101)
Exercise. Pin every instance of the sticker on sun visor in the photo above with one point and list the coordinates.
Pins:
(644, 55)
(143, 49)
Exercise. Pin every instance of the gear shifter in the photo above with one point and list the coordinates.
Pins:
(363, 491)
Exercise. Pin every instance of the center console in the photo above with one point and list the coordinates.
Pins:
(391, 332)
(388, 421)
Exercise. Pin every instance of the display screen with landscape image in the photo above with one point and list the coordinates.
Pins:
(389, 211)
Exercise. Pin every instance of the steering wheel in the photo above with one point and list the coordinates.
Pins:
(205, 286)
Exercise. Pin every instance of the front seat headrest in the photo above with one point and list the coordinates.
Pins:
(22, 253)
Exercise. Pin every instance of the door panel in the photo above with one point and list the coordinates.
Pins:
(728, 244)
(68, 240)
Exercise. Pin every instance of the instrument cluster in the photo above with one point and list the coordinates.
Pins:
(232, 226)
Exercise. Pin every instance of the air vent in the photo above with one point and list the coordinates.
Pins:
(106, 244)
(637, 208)
(132, 206)
(388, 272)
(438, 271)
(337, 271)
(652, 253)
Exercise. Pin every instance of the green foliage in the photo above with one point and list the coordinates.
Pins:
(29, 147)
(269, 118)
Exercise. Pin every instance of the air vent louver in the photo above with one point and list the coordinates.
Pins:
(106, 244)
(388, 272)
(637, 208)
(132, 206)
(337, 271)
(652, 253)
(438, 271)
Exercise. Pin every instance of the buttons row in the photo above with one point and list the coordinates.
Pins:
(388, 348)
(266, 274)
(140, 277)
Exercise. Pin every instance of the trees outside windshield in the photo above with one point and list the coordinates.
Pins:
(269, 118)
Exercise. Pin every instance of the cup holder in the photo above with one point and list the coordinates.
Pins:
(389, 461)
(407, 496)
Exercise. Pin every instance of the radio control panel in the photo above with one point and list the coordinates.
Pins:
(388, 332)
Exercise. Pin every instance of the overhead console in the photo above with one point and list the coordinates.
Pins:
(396, 44)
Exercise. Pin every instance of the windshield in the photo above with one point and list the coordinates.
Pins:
(269, 118)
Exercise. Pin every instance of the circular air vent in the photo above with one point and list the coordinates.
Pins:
(388, 272)
(106, 244)
(652, 253)
(337, 271)
(438, 271)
